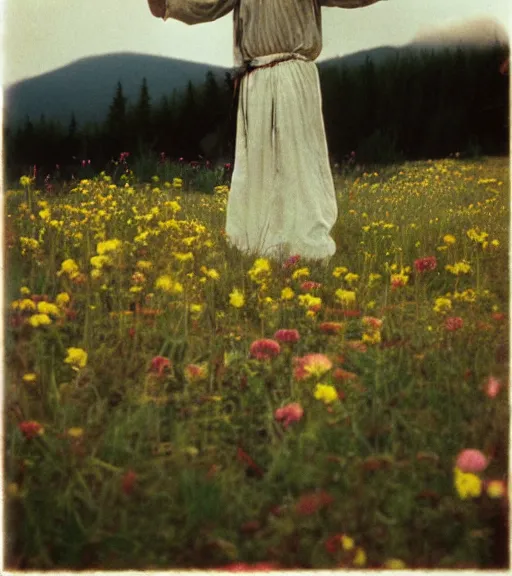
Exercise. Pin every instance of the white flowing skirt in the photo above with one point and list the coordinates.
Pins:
(282, 200)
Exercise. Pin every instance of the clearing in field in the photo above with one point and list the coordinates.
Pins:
(172, 404)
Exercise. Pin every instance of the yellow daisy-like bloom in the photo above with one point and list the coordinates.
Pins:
(173, 205)
(195, 309)
(45, 214)
(442, 305)
(213, 274)
(339, 271)
(346, 297)
(394, 564)
(449, 239)
(495, 243)
(477, 236)
(144, 265)
(300, 273)
(48, 308)
(496, 489)
(69, 267)
(399, 279)
(75, 432)
(326, 393)
(468, 485)
(359, 558)
(24, 305)
(108, 246)
(347, 543)
(309, 301)
(459, 268)
(164, 283)
(37, 320)
(29, 377)
(287, 293)
(177, 182)
(373, 337)
(260, 269)
(25, 181)
(25, 291)
(350, 277)
(183, 256)
(236, 298)
(99, 262)
(77, 357)
(95, 274)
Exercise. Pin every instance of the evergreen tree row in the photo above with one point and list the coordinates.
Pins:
(418, 105)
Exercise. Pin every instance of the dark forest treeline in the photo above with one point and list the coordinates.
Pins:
(419, 105)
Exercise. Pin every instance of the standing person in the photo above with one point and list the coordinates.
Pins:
(282, 199)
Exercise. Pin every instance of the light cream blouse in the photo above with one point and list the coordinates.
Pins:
(263, 27)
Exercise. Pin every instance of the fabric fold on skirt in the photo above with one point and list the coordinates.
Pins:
(282, 199)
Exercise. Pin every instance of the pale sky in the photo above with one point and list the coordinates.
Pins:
(41, 35)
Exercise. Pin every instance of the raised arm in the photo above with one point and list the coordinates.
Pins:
(191, 11)
(348, 3)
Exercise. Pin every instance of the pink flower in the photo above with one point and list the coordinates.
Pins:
(453, 323)
(291, 261)
(471, 461)
(159, 364)
(264, 349)
(492, 387)
(311, 365)
(427, 263)
(285, 335)
(289, 413)
(309, 285)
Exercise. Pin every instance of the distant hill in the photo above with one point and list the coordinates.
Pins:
(86, 87)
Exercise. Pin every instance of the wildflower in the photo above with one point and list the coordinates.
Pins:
(310, 285)
(492, 387)
(25, 181)
(177, 182)
(495, 488)
(339, 271)
(290, 413)
(458, 268)
(291, 261)
(75, 432)
(471, 461)
(260, 269)
(48, 308)
(24, 291)
(311, 365)
(371, 322)
(359, 558)
(99, 262)
(351, 278)
(69, 267)
(196, 372)
(477, 236)
(211, 273)
(300, 273)
(62, 299)
(373, 337)
(311, 302)
(394, 564)
(326, 393)
(442, 305)
(144, 265)
(347, 543)
(340, 374)
(468, 485)
(236, 298)
(399, 280)
(495, 243)
(166, 284)
(76, 357)
(30, 429)
(159, 364)
(373, 278)
(287, 294)
(284, 335)
(449, 239)
(29, 377)
(128, 482)
(310, 503)
(183, 256)
(24, 305)
(264, 349)
(108, 246)
(346, 297)
(37, 320)
(427, 263)
(453, 323)
(331, 327)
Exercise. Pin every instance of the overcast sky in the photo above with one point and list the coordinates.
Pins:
(41, 35)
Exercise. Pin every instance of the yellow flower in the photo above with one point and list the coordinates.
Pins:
(496, 489)
(260, 269)
(195, 309)
(468, 485)
(346, 297)
(24, 305)
(25, 291)
(144, 265)
(459, 268)
(45, 214)
(99, 262)
(69, 267)
(326, 393)
(29, 377)
(287, 293)
(236, 298)
(25, 181)
(495, 243)
(394, 564)
(108, 246)
(373, 278)
(212, 273)
(449, 239)
(95, 274)
(372, 337)
(177, 182)
(173, 205)
(350, 277)
(300, 273)
(442, 305)
(347, 543)
(183, 256)
(339, 271)
(37, 320)
(77, 357)
(359, 558)
(75, 432)
(48, 308)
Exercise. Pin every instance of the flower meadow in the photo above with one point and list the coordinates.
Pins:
(171, 403)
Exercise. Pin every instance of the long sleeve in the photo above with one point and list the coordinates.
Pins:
(197, 11)
(348, 3)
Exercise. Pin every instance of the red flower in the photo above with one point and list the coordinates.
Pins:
(264, 349)
(159, 364)
(372, 322)
(290, 413)
(423, 264)
(31, 429)
(471, 460)
(498, 316)
(291, 261)
(331, 327)
(333, 544)
(309, 285)
(310, 503)
(285, 335)
(453, 323)
(131, 332)
(128, 482)
(492, 387)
